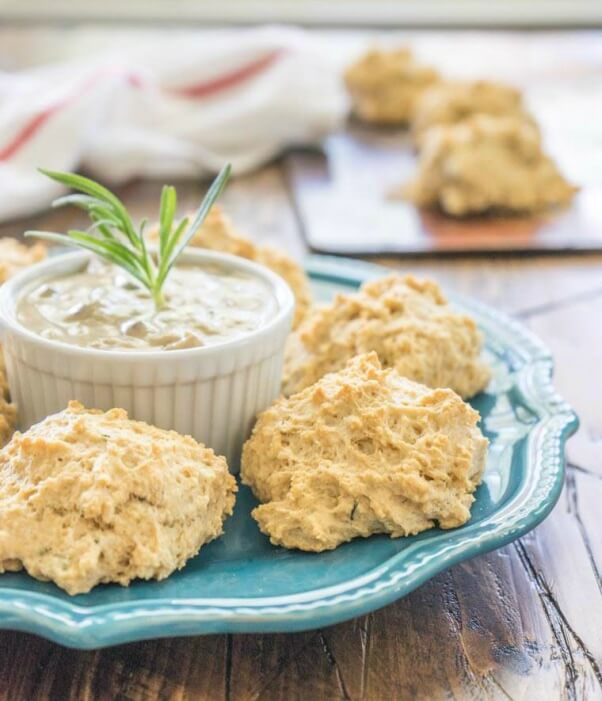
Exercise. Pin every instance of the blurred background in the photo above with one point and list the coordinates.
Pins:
(337, 168)
(438, 13)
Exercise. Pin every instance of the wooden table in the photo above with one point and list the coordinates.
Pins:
(524, 622)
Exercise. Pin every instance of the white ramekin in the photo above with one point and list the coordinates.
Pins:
(212, 393)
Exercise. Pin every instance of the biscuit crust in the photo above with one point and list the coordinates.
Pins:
(89, 497)
(363, 451)
(406, 321)
(14, 256)
(451, 102)
(8, 410)
(385, 85)
(487, 164)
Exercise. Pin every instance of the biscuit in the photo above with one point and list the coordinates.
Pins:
(14, 256)
(451, 102)
(406, 321)
(8, 410)
(363, 451)
(217, 233)
(385, 85)
(89, 497)
(487, 164)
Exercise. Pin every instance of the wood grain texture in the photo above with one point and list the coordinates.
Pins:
(523, 623)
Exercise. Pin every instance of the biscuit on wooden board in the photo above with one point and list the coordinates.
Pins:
(452, 101)
(385, 85)
(486, 164)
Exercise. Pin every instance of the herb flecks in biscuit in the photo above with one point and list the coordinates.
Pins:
(363, 451)
(88, 497)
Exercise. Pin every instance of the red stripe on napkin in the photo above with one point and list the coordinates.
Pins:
(204, 89)
(28, 131)
(228, 80)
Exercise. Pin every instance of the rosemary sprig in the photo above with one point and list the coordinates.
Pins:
(114, 237)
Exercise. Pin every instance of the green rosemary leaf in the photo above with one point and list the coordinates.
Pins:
(104, 227)
(113, 237)
(89, 187)
(167, 212)
(146, 260)
(173, 240)
(81, 201)
(110, 245)
(110, 226)
(208, 201)
(180, 229)
(51, 236)
(112, 251)
(100, 211)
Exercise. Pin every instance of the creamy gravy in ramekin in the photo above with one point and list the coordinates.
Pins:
(102, 307)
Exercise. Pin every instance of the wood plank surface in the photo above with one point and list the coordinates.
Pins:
(522, 623)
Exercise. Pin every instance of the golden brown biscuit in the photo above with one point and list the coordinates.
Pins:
(451, 102)
(487, 164)
(219, 234)
(385, 85)
(14, 256)
(8, 410)
(89, 497)
(363, 451)
(406, 321)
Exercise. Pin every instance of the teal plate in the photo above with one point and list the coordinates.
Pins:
(242, 584)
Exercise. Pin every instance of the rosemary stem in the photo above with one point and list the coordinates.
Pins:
(115, 239)
(158, 298)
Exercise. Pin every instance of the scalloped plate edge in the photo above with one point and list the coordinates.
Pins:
(99, 626)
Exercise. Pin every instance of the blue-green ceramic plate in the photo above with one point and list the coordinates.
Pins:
(240, 583)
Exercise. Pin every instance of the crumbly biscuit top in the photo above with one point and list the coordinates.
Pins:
(450, 102)
(14, 256)
(406, 321)
(88, 496)
(361, 451)
(385, 85)
(381, 68)
(487, 163)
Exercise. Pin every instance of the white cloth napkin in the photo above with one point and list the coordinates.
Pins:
(180, 107)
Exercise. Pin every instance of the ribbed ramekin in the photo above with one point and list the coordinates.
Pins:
(212, 393)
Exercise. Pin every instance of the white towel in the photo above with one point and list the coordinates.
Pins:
(179, 108)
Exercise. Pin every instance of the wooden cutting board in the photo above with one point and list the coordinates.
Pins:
(347, 197)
